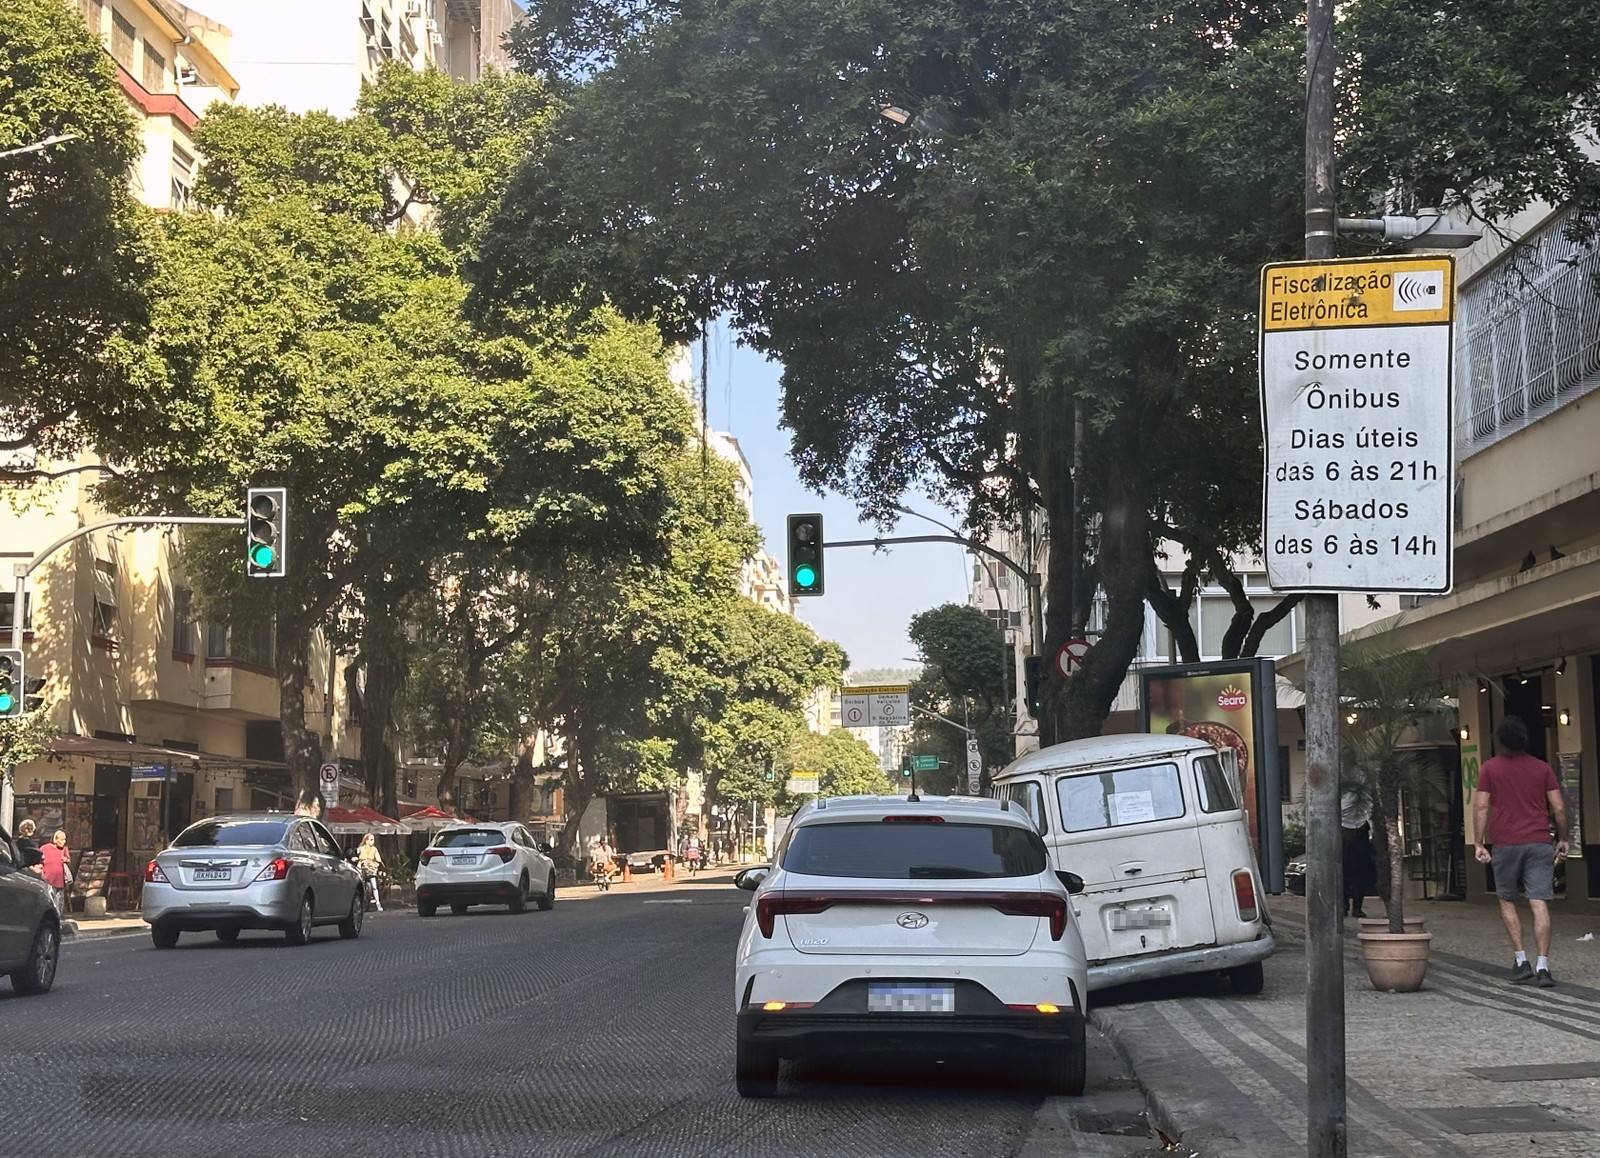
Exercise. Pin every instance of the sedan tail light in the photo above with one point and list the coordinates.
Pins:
(154, 875)
(430, 853)
(1244, 895)
(276, 870)
(1041, 905)
(774, 905)
(504, 853)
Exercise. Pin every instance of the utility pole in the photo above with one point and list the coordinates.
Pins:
(1327, 1127)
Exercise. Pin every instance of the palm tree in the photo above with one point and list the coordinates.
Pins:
(1385, 694)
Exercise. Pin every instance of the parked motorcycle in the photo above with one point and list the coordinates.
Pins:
(601, 873)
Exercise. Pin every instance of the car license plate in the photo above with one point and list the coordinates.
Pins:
(1155, 918)
(464, 860)
(899, 997)
(214, 874)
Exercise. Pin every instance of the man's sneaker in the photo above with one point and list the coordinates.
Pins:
(1545, 980)
(1522, 973)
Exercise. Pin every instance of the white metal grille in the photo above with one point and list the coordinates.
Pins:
(1529, 339)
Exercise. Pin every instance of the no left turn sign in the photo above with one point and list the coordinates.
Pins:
(1070, 658)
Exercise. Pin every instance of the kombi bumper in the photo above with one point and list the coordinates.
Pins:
(1207, 960)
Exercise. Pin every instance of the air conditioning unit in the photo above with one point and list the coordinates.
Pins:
(413, 7)
(187, 75)
(433, 26)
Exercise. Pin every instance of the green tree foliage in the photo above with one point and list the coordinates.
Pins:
(73, 264)
(847, 766)
(965, 674)
(1057, 257)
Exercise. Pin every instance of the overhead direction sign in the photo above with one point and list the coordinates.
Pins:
(925, 763)
(1356, 416)
(875, 706)
(804, 781)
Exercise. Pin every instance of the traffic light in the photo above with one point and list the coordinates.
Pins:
(266, 512)
(805, 555)
(905, 772)
(32, 697)
(1034, 672)
(11, 680)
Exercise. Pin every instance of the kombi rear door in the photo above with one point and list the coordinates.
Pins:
(1132, 832)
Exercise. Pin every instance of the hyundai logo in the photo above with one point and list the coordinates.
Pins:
(911, 920)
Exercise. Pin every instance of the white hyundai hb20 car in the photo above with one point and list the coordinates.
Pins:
(893, 924)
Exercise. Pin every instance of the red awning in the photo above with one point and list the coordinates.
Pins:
(364, 819)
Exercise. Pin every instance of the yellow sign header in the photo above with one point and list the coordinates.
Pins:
(877, 690)
(1404, 290)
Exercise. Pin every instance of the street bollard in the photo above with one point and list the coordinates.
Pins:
(627, 872)
(666, 869)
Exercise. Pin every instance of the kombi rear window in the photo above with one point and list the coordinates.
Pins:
(909, 852)
(1120, 797)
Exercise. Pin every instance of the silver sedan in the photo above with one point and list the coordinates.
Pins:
(251, 870)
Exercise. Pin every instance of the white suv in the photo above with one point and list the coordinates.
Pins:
(906, 924)
(497, 863)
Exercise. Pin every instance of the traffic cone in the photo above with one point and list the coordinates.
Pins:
(627, 872)
(666, 869)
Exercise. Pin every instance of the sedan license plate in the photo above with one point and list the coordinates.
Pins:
(1154, 918)
(464, 860)
(899, 997)
(213, 874)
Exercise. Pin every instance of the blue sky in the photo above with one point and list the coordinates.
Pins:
(871, 596)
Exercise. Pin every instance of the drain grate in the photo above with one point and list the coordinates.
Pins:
(1499, 1119)
(1550, 1072)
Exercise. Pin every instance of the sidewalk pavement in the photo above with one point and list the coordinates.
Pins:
(1470, 1065)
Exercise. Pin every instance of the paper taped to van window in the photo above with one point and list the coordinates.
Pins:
(1131, 807)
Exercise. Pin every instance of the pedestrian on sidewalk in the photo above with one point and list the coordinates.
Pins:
(56, 869)
(26, 838)
(1360, 869)
(1517, 795)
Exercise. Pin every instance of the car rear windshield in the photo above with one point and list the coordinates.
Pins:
(231, 833)
(915, 851)
(470, 838)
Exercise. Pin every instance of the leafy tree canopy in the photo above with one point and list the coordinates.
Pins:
(73, 264)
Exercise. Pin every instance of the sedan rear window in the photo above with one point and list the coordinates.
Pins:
(230, 833)
(470, 838)
(903, 852)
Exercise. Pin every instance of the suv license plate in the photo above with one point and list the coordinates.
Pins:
(901, 998)
(463, 860)
(213, 874)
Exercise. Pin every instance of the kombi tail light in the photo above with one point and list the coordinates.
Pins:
(1041, 905)
(504, 853)
(277, 869)
(1244, 896)
(774, 905)
(430, 853)
(154, 875)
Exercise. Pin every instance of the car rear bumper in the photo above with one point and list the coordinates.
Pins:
(1125, 971)
(169, 908)
(807, 1032)
(486, 892)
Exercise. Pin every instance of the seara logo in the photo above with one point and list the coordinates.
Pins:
(1232, 699)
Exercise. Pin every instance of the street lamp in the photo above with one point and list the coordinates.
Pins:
(1429, 229)
(39, 146)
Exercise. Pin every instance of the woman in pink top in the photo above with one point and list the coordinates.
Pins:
(57, 863)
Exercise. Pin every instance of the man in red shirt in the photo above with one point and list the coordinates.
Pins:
(1517, 794)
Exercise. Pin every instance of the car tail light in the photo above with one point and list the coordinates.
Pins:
(154, 875)
(429, 853)
(1040, 1007)
(780, 1006)
(276, 870)
(1244, 895)
(913, 820)
(774, 905)
(1037, 905)
(504, 852)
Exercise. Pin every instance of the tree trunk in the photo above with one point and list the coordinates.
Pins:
(301, 752)
(383, 661)
(1389, 786)
(578, 791)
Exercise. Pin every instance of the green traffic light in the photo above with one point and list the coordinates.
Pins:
(261, 555)
(805, 575)
(6, 702)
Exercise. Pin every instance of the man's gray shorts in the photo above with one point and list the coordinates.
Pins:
(1532, 866)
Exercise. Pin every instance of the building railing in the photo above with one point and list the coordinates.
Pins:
(1529, 336)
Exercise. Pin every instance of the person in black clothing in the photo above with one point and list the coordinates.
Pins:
(1360, 872)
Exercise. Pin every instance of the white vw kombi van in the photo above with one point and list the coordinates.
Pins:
(1153, 825)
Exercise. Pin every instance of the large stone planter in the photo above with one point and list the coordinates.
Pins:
(1381, 924)
(1396, 962)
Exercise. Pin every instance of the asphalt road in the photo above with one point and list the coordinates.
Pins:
(601, 1028)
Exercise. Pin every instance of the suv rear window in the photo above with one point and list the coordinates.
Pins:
(905, 852)
(470, 838)
(228, 833)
